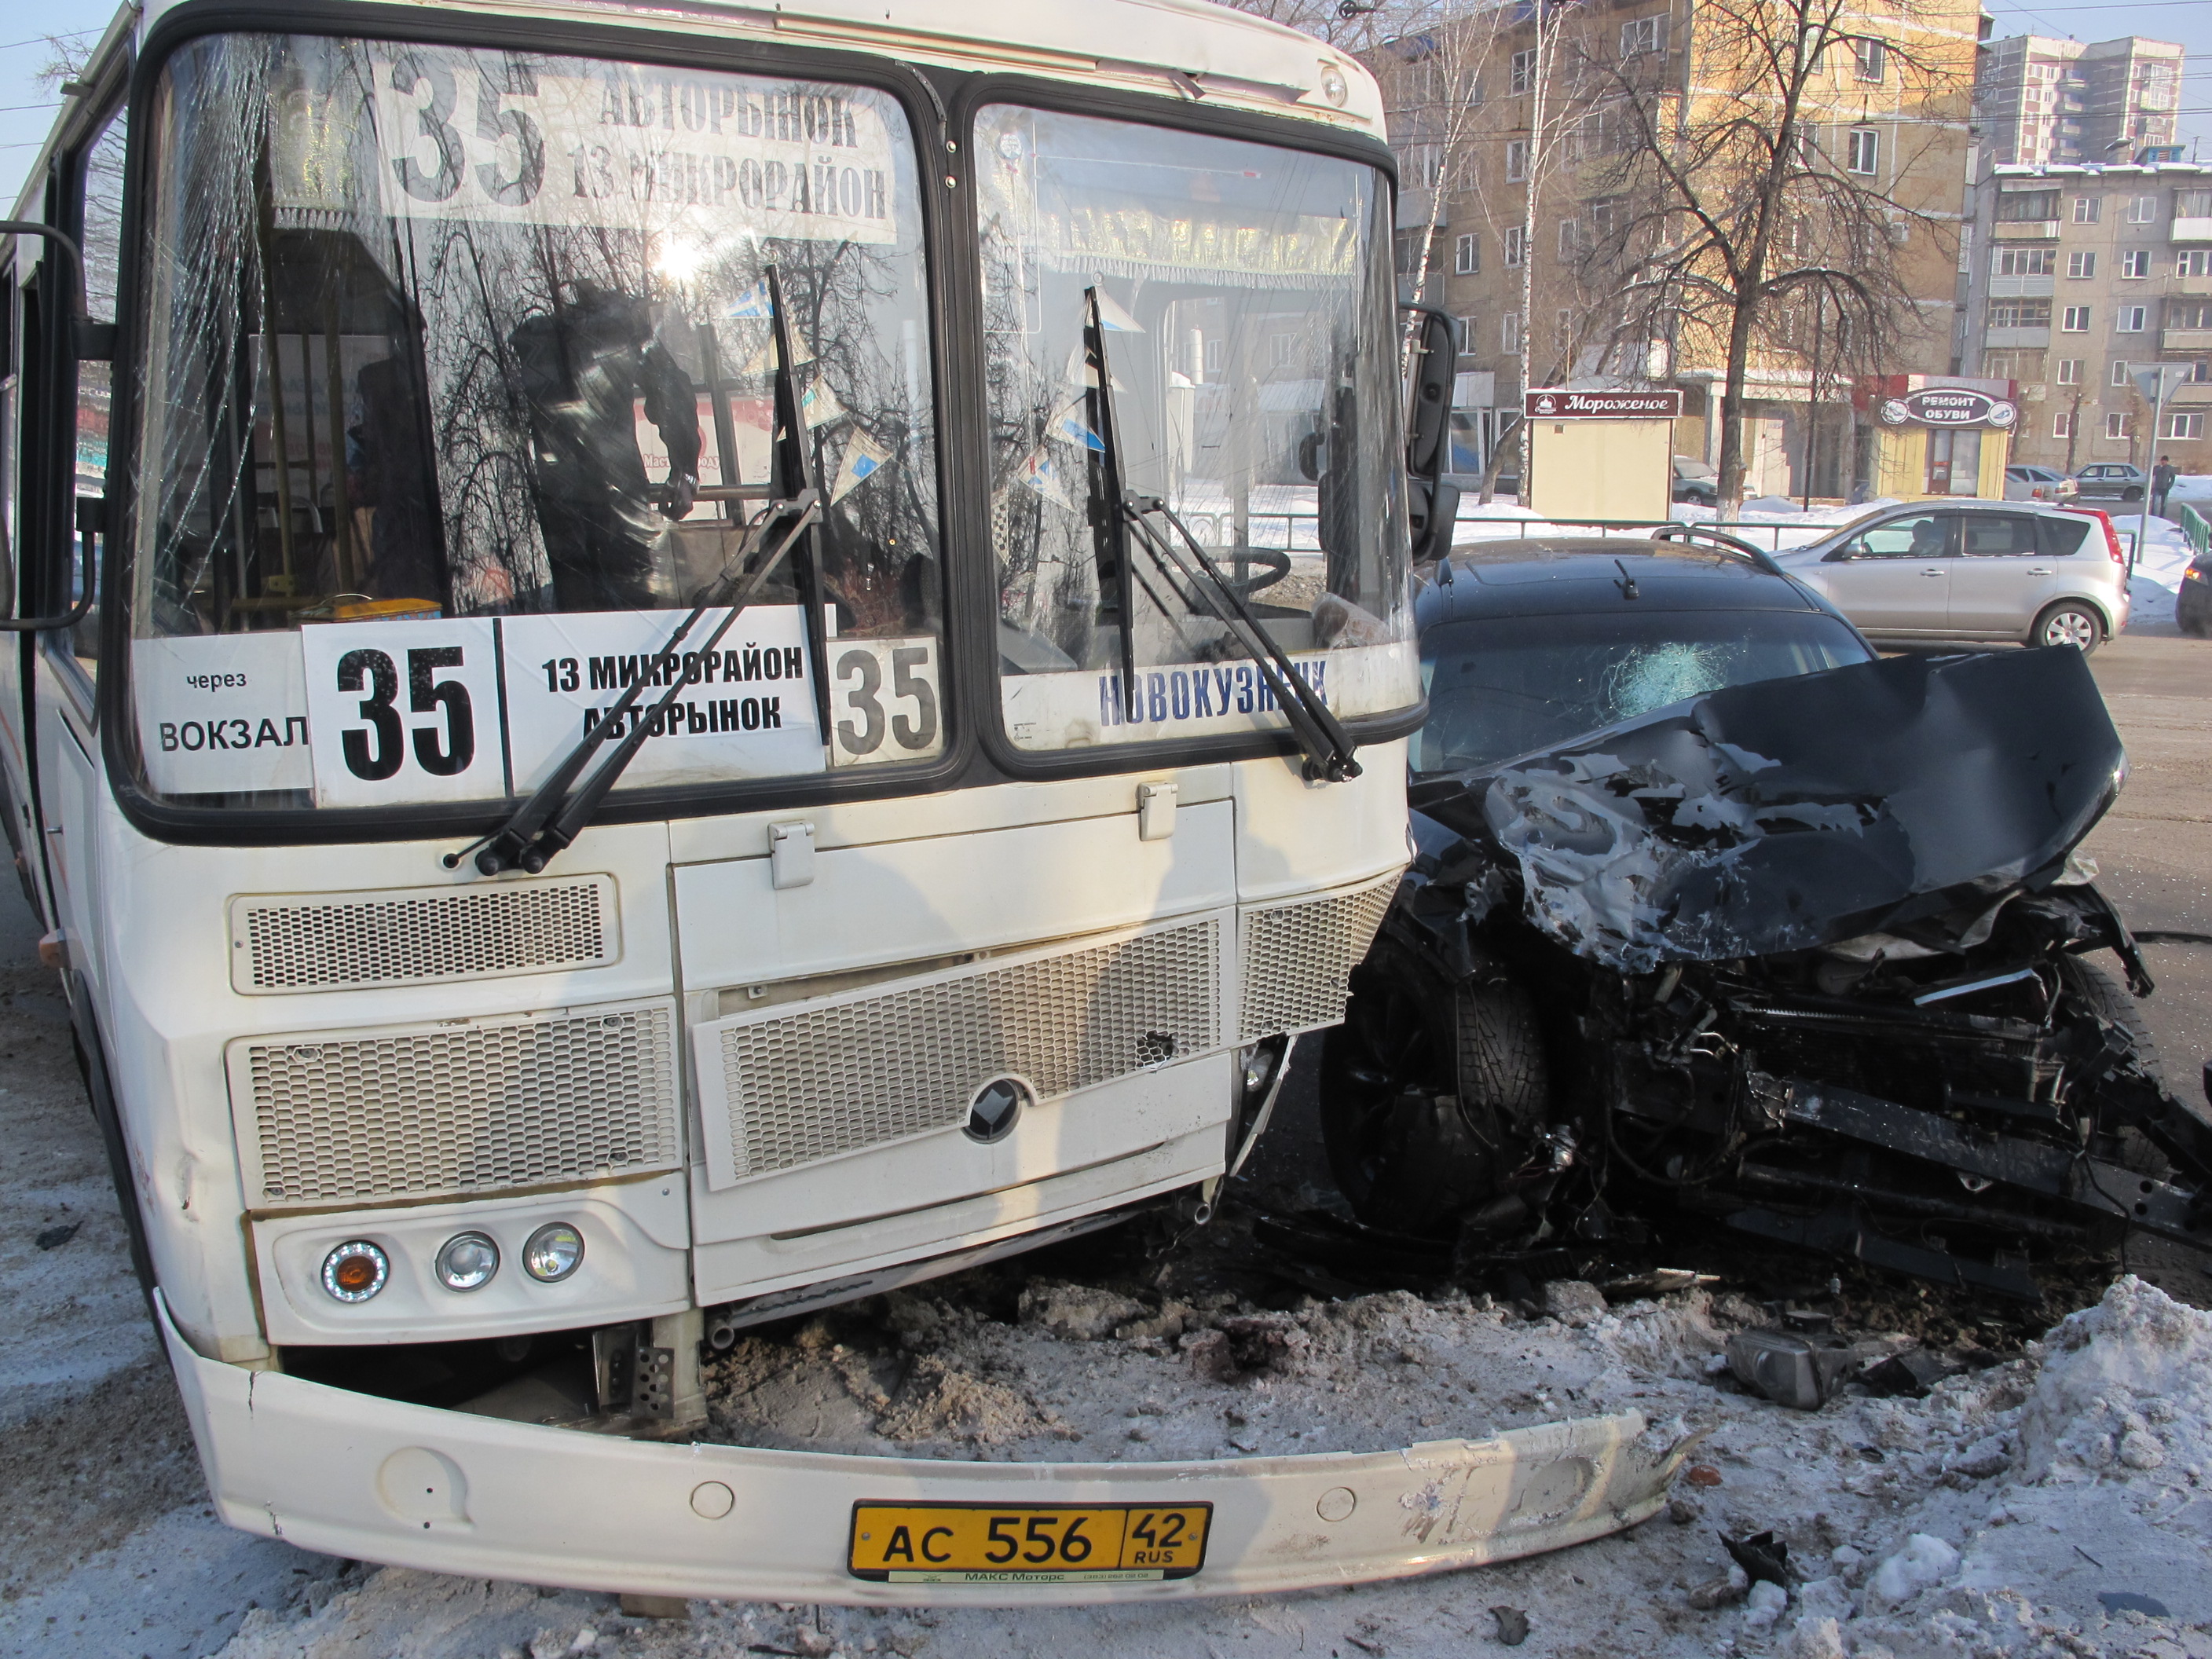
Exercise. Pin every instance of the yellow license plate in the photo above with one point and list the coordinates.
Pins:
(1026, 1543)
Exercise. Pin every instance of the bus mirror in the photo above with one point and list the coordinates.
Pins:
(1432, 509)
(93, 342)
(1428, 422)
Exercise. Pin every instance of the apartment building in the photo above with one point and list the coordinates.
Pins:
(1506, 142)
(2077, 276)
(2041, 100)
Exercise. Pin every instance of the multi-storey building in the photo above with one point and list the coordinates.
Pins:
(2039, 100)
(2079, 276)
(1510, 151)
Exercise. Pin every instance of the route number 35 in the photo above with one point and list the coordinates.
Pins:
(375, 752)
(884, 702)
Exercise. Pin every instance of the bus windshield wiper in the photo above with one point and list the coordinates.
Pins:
(552, 818)
(1329, 747)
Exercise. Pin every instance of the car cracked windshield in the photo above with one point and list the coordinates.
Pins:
(460, 381)
(1504, 687)
(1245, 305)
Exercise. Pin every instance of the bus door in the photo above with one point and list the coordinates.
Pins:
(65, 486)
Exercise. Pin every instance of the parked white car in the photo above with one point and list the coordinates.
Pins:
(2042, 575)
(2038, 483)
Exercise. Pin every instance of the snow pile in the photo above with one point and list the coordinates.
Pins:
(2125, 1390)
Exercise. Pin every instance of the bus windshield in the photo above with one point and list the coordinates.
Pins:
(1245, 304)
(460, 371)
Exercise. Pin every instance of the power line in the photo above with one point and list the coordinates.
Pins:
(45, 40)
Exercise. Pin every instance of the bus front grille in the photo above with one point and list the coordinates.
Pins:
(1298, 955)
(484, 1106)
(848, 1072)
(281, 943)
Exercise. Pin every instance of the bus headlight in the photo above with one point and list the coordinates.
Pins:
(466, 1261)
(355, 1270)
(554, 1252)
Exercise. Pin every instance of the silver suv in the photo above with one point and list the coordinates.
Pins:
(1973, 570)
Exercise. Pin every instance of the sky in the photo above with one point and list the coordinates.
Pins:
(28, 110)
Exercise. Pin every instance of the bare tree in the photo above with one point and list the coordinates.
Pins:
(1750, 200)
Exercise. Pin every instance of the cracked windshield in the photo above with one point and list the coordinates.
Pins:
(1243, 305)
(1505, 688)
(460, 383)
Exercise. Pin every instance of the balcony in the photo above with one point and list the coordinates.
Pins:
(2188, 288)
(2186, 340)
(2017, 339)
(2042, 230)
(2193, 230)
(2022, 287)
(2191, 394)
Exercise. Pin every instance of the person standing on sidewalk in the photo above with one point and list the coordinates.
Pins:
(2161, 481)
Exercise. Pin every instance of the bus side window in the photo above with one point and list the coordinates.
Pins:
(9, 401)
(99, 223)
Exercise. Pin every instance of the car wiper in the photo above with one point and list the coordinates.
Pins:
(552, 818)
(1329, 747)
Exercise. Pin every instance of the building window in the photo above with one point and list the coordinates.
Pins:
(1572, 245)
(2181, 425)
(1508, 334)
(2193, 262)
(1516, 245)
(2192, 204)
(1467, 337)
(1520, 71)
(2143, 210)
(2088, 209)
(2026, 261)
(1869, 59)
(1865, 150)
(2061, 424)
(2027, 207)
(2136, 262)
(2189, 314)
(2119, 424)
(2131, 319)
(2070, 371)
(1516, 159)
(2075, 320)
(2119, 374)
(2020, 313)
(1466, 254)
(2080, 264)
(1643, 34)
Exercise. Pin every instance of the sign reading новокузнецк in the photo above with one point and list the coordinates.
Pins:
(1557, 405)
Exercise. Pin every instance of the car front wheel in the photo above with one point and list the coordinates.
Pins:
(2070, 622)
(2132, 493)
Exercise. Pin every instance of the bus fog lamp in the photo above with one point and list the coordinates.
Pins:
(553, 1253)
(466, 1261)
(355, 1270)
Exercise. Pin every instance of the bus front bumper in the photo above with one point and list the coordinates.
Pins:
(354, 1475)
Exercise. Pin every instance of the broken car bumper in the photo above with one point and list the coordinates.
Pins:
(354, 1475)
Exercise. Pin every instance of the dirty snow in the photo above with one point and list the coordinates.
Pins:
(2010, 1513)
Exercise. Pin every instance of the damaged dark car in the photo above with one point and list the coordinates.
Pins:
(1716, 912)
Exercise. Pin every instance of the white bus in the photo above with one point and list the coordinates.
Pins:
(676, 662)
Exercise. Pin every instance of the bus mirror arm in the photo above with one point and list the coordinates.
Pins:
(91, 514)
(1328, 747)
(1433, 505)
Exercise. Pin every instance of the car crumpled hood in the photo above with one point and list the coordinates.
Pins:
(1799, 812)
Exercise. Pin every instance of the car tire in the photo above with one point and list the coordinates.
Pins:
(2070, 622)
(2132, 493)
(1426, 1087)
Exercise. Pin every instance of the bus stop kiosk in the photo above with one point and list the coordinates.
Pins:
(1600, 454)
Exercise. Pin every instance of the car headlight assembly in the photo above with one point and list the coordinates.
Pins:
(466, 1261)
(355, 1270)
(555, 1251)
